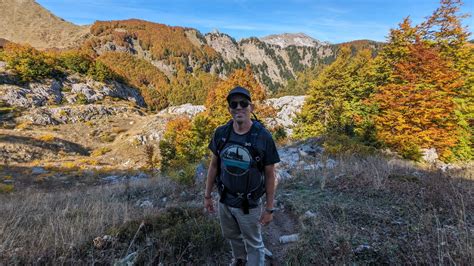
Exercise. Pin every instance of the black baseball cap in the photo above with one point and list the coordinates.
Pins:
(239, 90)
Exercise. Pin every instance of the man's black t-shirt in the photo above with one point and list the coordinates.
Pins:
(235, 160)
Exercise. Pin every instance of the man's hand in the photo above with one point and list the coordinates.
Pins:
(266, 218)
(209, 205)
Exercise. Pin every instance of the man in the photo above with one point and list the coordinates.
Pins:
(242, 166)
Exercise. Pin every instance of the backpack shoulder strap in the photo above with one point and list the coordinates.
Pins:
(227, 129)
(251, 142)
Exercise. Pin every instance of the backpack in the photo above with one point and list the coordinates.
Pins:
(256, 162)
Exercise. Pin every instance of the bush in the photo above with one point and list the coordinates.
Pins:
(46, 138)
(410, 151)
(338, 144)
(100, 72)
(174, 146)
(107, 137)
(6, 188)
(185, 175)
(28, 63)
(178, 235)
(81, 99)
(75, 61)
(279, 133)
(100, 151)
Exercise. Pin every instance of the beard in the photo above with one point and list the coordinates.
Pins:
(239, 121)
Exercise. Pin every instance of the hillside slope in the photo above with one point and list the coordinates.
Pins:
(25, 21)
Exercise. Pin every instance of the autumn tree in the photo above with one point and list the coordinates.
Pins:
(301, 84)
(416, 110)
(444, 31)
(191, 87)
(216, 104)
(335, 97)
(75, 61)
(185, 141)
(153, 84)
(28, 63)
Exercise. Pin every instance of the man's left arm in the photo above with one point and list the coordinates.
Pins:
(267, 216)
(270, 185)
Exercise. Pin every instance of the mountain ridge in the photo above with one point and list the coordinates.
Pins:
(274, 59)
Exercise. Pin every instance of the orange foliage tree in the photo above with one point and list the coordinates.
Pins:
(216, 103)
(161, 40)
(416, 108)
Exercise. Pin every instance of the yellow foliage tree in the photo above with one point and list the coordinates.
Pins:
(216, 103)
(29, 63)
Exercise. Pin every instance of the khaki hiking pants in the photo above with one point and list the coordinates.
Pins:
(244, 233)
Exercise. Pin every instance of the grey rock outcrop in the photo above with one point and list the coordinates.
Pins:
(73, 114)
(287, 107)
(430, 155)
(52, 92)
(33, 95)
(288, 39)
(185, 109)
(94, 91)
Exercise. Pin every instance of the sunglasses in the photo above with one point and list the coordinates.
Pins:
(243, 104)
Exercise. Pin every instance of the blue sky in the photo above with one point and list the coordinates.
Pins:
(326, 20)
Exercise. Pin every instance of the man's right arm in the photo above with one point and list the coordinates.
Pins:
(210, 180)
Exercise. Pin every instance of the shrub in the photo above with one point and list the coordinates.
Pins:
(150, 156)
(410, 151)
(46, 138)
(76, 61)
(6, 188)
(174, 146)
(100, 151)
(179, 236)
(184, 175)
(107, 137)
(81, 99)
(23, 125)
(28, 63)
(339, 144)
(279, 133)
(100, 72)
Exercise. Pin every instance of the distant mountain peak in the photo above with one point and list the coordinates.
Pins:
(287, 39)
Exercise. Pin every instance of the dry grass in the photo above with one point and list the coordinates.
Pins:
(55, 227)
(100, 151)
(374, 210)
(23, 126)
(46, 138)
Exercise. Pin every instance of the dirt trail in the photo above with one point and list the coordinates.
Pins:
(284, 223)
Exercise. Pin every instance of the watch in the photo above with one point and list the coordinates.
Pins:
(272, 210)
